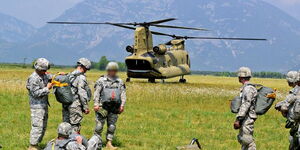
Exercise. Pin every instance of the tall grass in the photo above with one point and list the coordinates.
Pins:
(157, 116)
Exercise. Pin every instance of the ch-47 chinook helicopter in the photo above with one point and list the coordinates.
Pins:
(163, 61)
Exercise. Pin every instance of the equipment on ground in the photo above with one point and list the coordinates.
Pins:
(166, 60)
(191, 146)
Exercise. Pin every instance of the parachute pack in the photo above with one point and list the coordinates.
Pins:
(264, 100)
(62, 89)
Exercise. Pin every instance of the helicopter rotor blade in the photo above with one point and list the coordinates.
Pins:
(220, 38)
(122, 26)
(163, 34)
(179, 27)
(57, 22)
(148, 23)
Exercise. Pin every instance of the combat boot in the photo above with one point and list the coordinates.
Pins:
(109, 146)
(33, 147)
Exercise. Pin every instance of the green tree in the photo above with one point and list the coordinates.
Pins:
(102, 63)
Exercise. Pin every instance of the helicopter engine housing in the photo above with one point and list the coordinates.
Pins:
(160, 49)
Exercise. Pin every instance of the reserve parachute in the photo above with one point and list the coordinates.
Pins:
(264, 100)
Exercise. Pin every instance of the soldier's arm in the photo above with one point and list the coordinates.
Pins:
(83, 95)
(35, 89)
(247, 97)
(123, 94)
(290, 98)
(97, 94)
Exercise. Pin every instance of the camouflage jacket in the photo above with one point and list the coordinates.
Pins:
(65, 144)
(38, 91)
(80, 89)
(107, 81)
(290, 99)
(248, 95)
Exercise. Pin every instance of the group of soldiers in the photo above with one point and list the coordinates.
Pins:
(69, 138)
(290, 109)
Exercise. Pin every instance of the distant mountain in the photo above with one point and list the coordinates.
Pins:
(63, 44)
(12, 32)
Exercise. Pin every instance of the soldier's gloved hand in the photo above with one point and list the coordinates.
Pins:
(97, 108)
(236, 125)
(49, 85)
(284, 113)
(87, 111)
(121, 109)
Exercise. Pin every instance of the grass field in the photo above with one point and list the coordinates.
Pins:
(157, 116)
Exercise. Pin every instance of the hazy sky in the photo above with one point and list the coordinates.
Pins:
(38, 12)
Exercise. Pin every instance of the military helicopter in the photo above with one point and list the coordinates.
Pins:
(163, 61)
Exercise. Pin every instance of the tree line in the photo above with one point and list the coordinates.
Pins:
(101, 64)
(262, 74)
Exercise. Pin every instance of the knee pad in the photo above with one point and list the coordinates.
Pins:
(111, 128)
(98, 128)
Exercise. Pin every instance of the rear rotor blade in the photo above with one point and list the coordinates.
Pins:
(221, 38)
(148, 23)
(179, 27)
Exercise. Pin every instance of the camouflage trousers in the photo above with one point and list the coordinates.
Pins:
(94, 143)
(294, 138)
(111, 119)
(245, 136)
(73, 114)
(39, 118)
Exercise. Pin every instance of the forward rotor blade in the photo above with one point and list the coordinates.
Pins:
(163, 34)
(179, 27)
(161, 21)
(217, 38)
(122, 26)
(55, 22)
(147, 23)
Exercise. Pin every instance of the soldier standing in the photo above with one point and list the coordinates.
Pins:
(109, 101)
(73, 113)
(38, 87)
(64, 141)
(246, 116)
(286, 108)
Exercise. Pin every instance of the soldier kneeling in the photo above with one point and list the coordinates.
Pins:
(63, 141)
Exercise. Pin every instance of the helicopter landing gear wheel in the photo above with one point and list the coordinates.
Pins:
(162, 81)
(151, 80)
(127, 79)
(182, 80)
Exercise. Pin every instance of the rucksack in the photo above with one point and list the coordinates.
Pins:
(264, 100)
(62, 89)
(52, 145)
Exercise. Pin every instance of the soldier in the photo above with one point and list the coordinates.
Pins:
(38, 87)
(286, 108)
(64, 141)
(82, 94)
(109, 101)
(246, 116)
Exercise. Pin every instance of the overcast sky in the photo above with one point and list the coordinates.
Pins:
(38, 12)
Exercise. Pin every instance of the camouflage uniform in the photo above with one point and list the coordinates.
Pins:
(64, 144)
(287, 105)
(107, 113)
(247, 116)
(38, 95)
(73, 113)
(66, 141)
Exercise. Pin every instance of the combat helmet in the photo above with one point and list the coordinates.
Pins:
(244, 72)
(64, 129)
(112, 66)
(293, 76)
(41, 64)
(85, 62)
